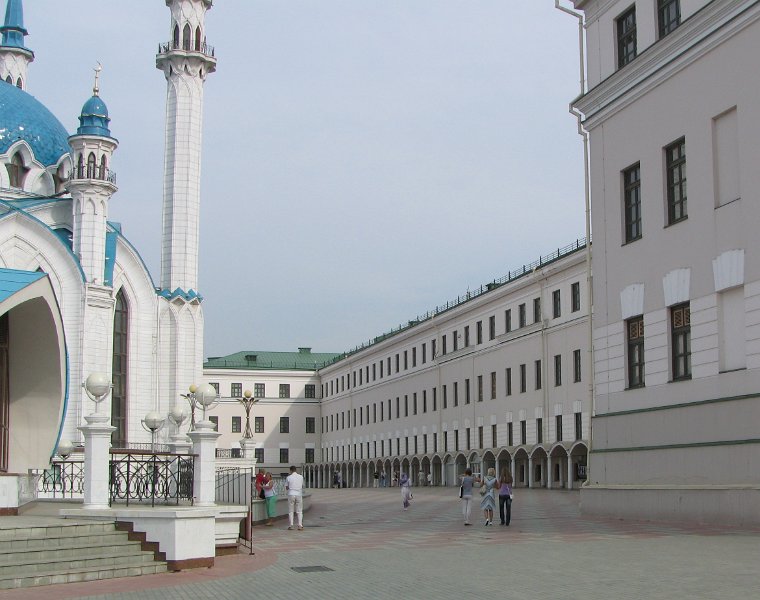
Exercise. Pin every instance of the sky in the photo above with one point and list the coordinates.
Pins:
(363, 161)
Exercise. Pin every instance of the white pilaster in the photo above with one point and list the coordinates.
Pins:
(97, 442)
(204, 447)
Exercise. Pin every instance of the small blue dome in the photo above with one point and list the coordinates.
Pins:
(94, 118)
(23, 117)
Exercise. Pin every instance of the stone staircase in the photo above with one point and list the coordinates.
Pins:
(49, 551)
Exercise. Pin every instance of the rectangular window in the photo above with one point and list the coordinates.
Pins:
(632, 202)
(523, 379)
(578, 426)
(309, 455)
(493, 436)
(479, 332)
(557, 370)
(576, 365)
(508, 320)
(537, 367)
(635, 334)
(215, 420)
(466, 391)
(414, 356)
(435, 442)
(435, 399)
(258, 424)
(414, 403)
(424, 353)
(425, 443)
(445, 398)
(456, 393)
(575, 293)
(558, 427)
(310, 391)
(284, 455)
(389, 366)
(374, 413)
(523, 432)
(480, 388)
(361, 377)
(424, 401)
(668, 16)
(680, 335)
(406, 405)
(508, 380)
(406, 360)
(284, 424)
(443, 345)
(536, 310)
(381, 369)
(626, 37)
(675, 170)
(216, 387)
(491, 327)
(466, 336)
(726, 157)
(455, 340)
(510, 435)
(539, 431)
(493, 385)
(398, 362)
(259, 454)
(556, 304)
(480, 437)
(236, 425)
(432, 348)
(236, 390)
(311, 425)
(374, 371)
(521, 318)
(406, 445)
(284, 390)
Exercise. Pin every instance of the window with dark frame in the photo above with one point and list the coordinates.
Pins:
(310, 391)
(258, 424)
(575, 296)
(284, 455)
(510, 434)
(284, 390)
(466, 336)
(479, 332)
(680, 335)
(284, 424)
(480, 437)
(493, 385)
(558, 427)
(508, 320)
(539, 431)
(259, 454)
(556, 304)
(668, 16)
(626, 37)
(557, 370)
(443, 345)
(456, 393)
(480, 388)
(455, 340)
(523, 432)
(536, 310)
(675, 176)
(537, 367)
(578, 426)
(215, 420)
(236, 390)
(406, 405)
(576, 365)
(236, 425)
(508, 381)
(632, 202)
(523, 378)
(466, 391)
(311, 425)
(493, 436)
(309, 455)
(635, 342)
(521, 318)
(491, 327)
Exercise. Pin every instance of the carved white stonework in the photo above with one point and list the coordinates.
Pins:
(632, 301)
(728, 270)
(675, 286)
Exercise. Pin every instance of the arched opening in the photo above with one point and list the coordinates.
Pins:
(9, 79)
(19, 83)
(187, 36)
(91, 164)
(103, 167)
(198, 39)
(17, 171)
(119, 370)
(175, 38)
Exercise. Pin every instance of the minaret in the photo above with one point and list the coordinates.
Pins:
(91, 184)
(14, 57)
(185, 61)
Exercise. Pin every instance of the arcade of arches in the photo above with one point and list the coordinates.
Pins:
(559, 466)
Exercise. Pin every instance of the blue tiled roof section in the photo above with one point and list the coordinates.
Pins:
(13, 28)
(65, 236)
(189, 295)
(23, 117)
(111, 237)
(94, 118)
(12, 281)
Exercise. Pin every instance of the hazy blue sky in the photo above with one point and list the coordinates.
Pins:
(364, 160)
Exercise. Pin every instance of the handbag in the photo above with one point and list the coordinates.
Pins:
(483, 490)
(461, 491)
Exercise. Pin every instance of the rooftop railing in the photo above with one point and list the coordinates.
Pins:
(93, 172)
(204, 48)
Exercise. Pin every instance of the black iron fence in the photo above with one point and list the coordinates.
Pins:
(186, 46)
(64, 479)
(158, 477)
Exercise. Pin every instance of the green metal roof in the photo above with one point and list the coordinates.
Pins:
(303, 360)
(12, 281)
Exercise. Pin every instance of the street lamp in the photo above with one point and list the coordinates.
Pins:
(247, 401)
(65, 448)
(178, 415)
(97, 386)
(153, 422)
(202, 397)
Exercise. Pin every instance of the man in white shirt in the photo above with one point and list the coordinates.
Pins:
(294, 485)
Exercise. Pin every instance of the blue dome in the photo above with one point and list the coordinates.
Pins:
(94, 118)
(23, 117)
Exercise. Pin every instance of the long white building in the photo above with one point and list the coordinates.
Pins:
(672, 98)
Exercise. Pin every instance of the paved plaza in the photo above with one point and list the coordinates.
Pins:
(366, 546)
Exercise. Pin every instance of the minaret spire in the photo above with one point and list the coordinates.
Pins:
(14, 56)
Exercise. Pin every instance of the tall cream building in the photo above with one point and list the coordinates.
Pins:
(673, 99)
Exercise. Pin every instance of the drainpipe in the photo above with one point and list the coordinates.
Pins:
(587, 195)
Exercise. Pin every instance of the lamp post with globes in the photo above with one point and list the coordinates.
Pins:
(203, 397)
(153, 422)
(246, 443)
(204, 439)
(97, 442)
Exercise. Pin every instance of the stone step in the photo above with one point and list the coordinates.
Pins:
(70, 558)
(54, 531)
(79, 575)
(85, 540)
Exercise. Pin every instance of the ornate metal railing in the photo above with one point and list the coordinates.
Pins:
(229, 453)
(144, 447)
(64, 479)
(151, 477)
(204, 48)
(93, 172)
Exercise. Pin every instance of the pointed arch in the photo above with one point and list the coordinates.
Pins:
(9, 79)
(175, 37)
(187, 36)
(17, 170)
(198, 39)
(103, 167)
(120, 369)
(91, 165)
(19, 83)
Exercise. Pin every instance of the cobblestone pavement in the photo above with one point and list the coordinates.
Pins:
(368, 547)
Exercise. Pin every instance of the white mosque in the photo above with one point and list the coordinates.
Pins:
(75, 295)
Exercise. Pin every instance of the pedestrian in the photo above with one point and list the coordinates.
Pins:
(465, 493)
(488, 503)
(406, 490)
(382, 478)
(336, 479)
(270, 497)
(294, 485)
(505, 496)
(430, 479)
(377, 478)
(260, 484)
(340, 480)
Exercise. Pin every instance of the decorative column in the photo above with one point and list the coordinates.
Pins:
(204, 477)
(97, 443)
(530, 471)
(569, 472)
(549, 474)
